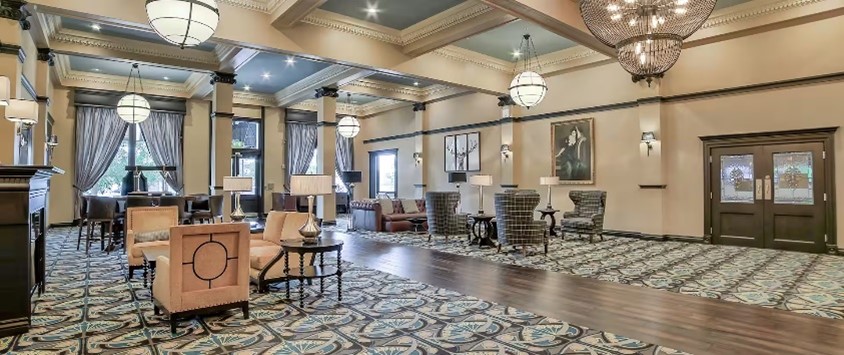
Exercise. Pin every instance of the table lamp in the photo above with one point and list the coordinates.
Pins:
(237, 185)
(351, 177)
(480, 181)
(311, 185)
(549, 181)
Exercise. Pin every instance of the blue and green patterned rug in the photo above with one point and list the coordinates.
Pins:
(89, 308)
(799, 282)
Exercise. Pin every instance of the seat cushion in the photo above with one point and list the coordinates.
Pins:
(254, 243)
(260, 256)
(578, 223)
(403, 216)
(138, 248)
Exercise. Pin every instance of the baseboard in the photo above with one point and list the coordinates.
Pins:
(63, 225)
(663, 237)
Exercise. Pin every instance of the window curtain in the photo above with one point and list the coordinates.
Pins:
(99, 133)
(162, 132)
(301, 144)
(344, 148)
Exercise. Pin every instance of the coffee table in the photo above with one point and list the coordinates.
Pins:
(150, 254)
(417, 224)
(321, 271)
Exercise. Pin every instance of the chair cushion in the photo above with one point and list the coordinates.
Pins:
(138, 248)
(146, 237)
(259, 257)
(578, 222)
(409, 206)
(255, 243)
(386, 206)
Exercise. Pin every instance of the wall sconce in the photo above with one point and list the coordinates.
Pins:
(24, 113)
(649, 138)
(417, 158)
(51, 143)
(5, 90)
(506, 153)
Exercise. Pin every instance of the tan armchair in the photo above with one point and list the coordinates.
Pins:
(142, 220)
(207, 271)
(266, 257)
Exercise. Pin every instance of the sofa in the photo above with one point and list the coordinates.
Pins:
(266, 256)
(369, 215)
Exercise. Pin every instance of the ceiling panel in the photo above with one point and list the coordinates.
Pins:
(397, 14)
(721, 4)
(356, 99)
(268, 73)
(88, 26)
(120, 68)
(399, 80)
(502, 41)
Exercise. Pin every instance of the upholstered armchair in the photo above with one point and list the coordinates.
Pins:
(207, 271)
(143, 220)
(443, 219)
(266, 257)
(514, 210)
(588, 214)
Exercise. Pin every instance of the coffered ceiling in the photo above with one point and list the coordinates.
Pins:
(269, 73)
(400, 80)
(503, 41)
(95, 27)
(121, 69)
(396, 14)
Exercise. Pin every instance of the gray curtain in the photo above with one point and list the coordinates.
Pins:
(162, 132)
(99, 133)
(301, 144)
(343, 156)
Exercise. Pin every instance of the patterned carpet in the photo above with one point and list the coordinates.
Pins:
(799, 282)
(89, 308)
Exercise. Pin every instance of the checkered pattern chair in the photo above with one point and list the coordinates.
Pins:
(514, 217)
(588, 214)
(443, 219)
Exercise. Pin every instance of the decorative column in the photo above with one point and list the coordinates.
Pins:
(326, 149)
(42, 84)
(420, 125)
(12, 22)
(221, 135)
(652, 164)
(510, 147)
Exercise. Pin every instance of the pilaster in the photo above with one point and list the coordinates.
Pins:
(652, 163)
(221, 134)
(326, 150)
(510, 144)
(42, 88)
(420, 154)
(11, 64)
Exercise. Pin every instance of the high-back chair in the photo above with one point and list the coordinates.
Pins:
(143, 226)
(100, 211)
(514, 211)
(266, 264)
(212, 209)
(588, 214)
(179, 202)
(443, 219)
(140, 201)
(207, 270)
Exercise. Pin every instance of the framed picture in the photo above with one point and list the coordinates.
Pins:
(462, 152)
(573, 151)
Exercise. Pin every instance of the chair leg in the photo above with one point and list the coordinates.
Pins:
(499, 248)
(103, 233)
(79, 239)
(155, 310)
(546, 248)
(429, 238)
(245, 309)
(173, 324)
(89, 231)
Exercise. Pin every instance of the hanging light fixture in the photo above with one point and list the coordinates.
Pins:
(132, 107)
(528, 88)
(348, 126)
(185, 23)
(647, 34)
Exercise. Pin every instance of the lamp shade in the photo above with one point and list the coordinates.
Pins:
(481, 180)
(549, 181)
(310, 185)
(528, 89)
(237, 184)
(5, 90)
(352, 177)
(456, 178)
(22, 111)
(133, 108)
(348, 127)
(185, 23)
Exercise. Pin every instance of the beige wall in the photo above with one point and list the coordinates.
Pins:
(61, 186)
(196, 143)
(274, 167)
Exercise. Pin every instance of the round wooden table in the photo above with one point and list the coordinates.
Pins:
(321, 271)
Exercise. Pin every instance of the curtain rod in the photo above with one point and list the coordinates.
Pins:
(115, 107)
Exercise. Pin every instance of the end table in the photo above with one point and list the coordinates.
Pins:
(321, 271)
(482, 230)
(550, 212)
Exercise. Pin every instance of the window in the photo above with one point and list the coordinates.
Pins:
(246, 134)
(339, 186)
(111, 181)
(387, 174)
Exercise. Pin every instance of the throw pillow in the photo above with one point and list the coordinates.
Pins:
(409, 206)
(146, 237)
(386, 206)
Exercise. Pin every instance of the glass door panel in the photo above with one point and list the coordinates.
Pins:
(737, 178)
(793, 178)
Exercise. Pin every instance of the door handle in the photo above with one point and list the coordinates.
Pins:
(768, 187)
(759, 195)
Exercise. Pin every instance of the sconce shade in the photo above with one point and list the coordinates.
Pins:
(481, 180)
(53, 140)
(5, 90)
(648, 137)
(456, 178)
(351, 177)
(237, 184)
(311, 185)
(505, 149)
(22, 111)
(549, 181)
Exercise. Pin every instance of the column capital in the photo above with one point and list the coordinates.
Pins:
(13, 10)
(505, 100)
(225, 78)
(419, 106)
(46, 55)
(326, 92)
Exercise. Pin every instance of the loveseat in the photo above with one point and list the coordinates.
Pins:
(369, 215)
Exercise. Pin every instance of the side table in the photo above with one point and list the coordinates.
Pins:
(321, 271)
(549, 212)
(482, 230)
(417, 224)
(150, 254)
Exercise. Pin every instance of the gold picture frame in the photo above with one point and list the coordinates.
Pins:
(573, 151)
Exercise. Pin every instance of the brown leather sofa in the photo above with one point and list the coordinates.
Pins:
(368, 216)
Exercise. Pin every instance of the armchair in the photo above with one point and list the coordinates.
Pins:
(265, 253)
(588, 214)
(514, 216)
(443, 219)
(207, 271)
(143, 220)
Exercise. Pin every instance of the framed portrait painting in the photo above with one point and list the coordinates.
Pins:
(462, 152)
(573, 151)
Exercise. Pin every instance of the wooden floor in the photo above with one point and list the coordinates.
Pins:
(694, 324)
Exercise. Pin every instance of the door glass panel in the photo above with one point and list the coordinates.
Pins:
(737, 178)
(248, 166)
(387, 174)
(793, 178)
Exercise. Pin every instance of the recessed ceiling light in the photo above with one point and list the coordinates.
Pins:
(96, 27)
(415, 83)
(354, 102)
(96, 70)
(372, 10)
(247, 87)
(517, 54)
(166, 78)
(291, 60)
(266, 76)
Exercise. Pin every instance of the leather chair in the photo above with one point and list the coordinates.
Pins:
(514, 219)
(143, 220)
(588, 214)
(443, 219)
(100, 211)
(207, 271)
(266, 263)
(214, 211)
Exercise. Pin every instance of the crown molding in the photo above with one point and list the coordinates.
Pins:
(255, 5)
(68, 77)
(464, 55)
(304, 88)
(749, 10)
(444, 20)
(133, 46)
(198, 85)
(388, 87)
(255, 99)
(354, 26)
(382, 105)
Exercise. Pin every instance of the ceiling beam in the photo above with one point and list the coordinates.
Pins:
(335, 75)
(233, 58)
(459, 22)
(561, 17)
(287, 13)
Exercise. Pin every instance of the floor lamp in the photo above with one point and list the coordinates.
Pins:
(351, 178)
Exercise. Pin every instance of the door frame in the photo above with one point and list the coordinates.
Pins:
(260, 153)
(373, 178)
(824, 135)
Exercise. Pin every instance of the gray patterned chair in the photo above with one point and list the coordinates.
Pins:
(588, 214)
(443, 219)
(514, 211)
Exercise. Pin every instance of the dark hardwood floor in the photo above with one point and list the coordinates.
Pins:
(694, 324)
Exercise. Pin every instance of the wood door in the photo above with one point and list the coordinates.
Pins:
(736, 195)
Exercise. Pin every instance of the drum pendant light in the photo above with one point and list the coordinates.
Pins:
(185, 23)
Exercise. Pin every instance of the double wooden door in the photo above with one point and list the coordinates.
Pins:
(770, 196)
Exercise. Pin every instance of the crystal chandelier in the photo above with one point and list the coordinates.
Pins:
(647, 34)
(528, 88)
(348, 127)
(133, 108)
(185, 23)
